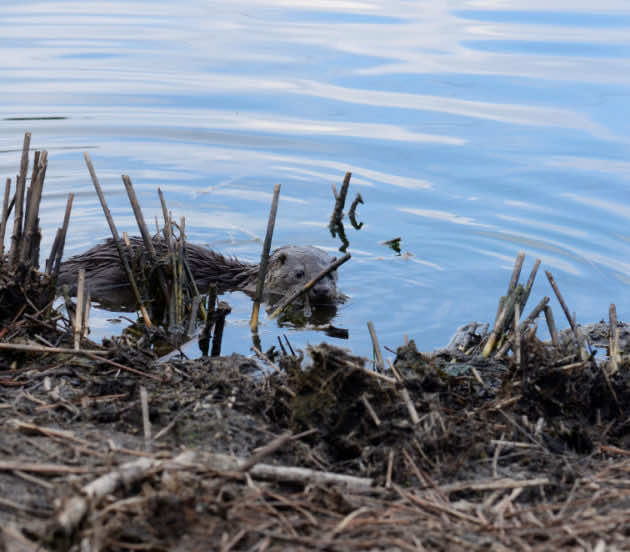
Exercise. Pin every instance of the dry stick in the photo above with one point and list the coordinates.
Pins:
(33, 179)
(91, 355)
(340, 200)
(144, 231)
(613, 340)
(530, 283)
(266, 450)
(551, 324)
(56, 260)
(78, 315)
(288, 299)
(5, 214)
(146, 422)
(390, 467)
(380, 365)
(516, 272)
(517, 335)
(370, 409)
(524, 325)
(494, 334)
(352, 212)
(16, 239)
(41, 349)
(32, 207)
(223, 309)
(264, 259)
(583, 352)
(121, 252)
(87, 305)
(167, 222)
(404, 393)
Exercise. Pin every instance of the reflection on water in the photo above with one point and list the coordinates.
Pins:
(472, 129)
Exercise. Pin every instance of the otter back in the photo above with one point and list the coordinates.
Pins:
(288, 266)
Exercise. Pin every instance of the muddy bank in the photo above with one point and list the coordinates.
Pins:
(457, 452)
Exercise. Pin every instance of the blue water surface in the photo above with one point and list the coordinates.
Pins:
(472, 133)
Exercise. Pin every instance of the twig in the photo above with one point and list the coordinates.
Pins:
(39, 349)
(223, 309)
(268, 449)
(404, 393)
(295, 294)
(264, 259)
(120, 366)
(530, 283)
(494, 484)
(613, 340)
(352, 212)
(390, 467)
(144, 232)
(516, 271)
(517, 336)
(524, 325)
(78, 314)
(376, 348)
(32, 210)
(5, 214)
(340, 200)
(146, 422)
(551, 324)
(55, 259)
(371, 411)
(121, 253)
(16, 238)
(583, 353)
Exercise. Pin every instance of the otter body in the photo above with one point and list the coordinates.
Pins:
(289, 266)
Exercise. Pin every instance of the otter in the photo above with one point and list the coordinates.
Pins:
(289, 266)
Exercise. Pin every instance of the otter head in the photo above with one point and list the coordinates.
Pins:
(293, 266)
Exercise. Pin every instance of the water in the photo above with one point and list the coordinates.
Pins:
(473, 129)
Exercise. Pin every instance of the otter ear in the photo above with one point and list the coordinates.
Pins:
(282, 258)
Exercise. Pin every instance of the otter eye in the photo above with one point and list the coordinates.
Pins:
(299, 274)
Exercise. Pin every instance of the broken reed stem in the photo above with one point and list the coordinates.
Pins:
(517, 335)
(613, 340)
(16, 238)
(42, 349)
(380, 365)
(551, 324)
(530, 283)
(167, 222)
(57, 253)
(78, 314)
(340, 201)
(5, 214)
(121, 252)
(223, 309)
(266, 450)
(30, 238)
(264, 259)
(144, 232)
(516, 272)
(583, 352)
(146, 422)
(370, 410)
(288, 299)
(494, 334)
(524, 325)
